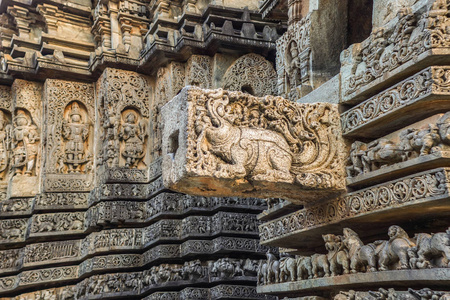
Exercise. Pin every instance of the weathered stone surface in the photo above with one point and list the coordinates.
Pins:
(221, 143)
(401, 199)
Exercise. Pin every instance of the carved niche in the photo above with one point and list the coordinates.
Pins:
(5, 134)
(70, 115)
(222, 143)
(26, 138)
(293, 59)
(124, 117)
(252, 74)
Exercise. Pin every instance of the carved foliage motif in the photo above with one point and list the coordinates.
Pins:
(253, 74)
(199, 71)
(398, 96)
(125, 112)
(391, 194)
(387, 49)
(293, 55)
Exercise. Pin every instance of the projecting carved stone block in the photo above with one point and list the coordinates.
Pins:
(222, 143)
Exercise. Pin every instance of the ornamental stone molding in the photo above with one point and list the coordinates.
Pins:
(417, 39)
(409, 194)
(224, 143)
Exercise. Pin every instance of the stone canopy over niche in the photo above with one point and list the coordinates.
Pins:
(219, 143)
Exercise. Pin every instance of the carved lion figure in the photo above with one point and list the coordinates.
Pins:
(259, 153)
(395, 250)
(361, 256)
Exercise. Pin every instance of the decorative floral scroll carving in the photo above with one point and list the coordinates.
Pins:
(252, 74)
(388, 48)
(253, 142)
(396, 193)
(199, 71)
(396, 97)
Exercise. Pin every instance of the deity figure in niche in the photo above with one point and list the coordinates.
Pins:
(292, 66)
(75, 132)
(132, 134)
(25, 142)
(5, 141)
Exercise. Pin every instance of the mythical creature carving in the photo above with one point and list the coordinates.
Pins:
(25, 142)
(257, 141)
(75, 131)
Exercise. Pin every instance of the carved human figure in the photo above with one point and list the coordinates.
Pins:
(5, 140)
(355, 166)
(380, 153)
(24, 144)
(132, 133)
(75, 132)
(293, 66)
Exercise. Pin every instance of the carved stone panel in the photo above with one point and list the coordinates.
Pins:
(124, 115)
(221, 143)
(70, 117)
(26, 148)
(5, 137)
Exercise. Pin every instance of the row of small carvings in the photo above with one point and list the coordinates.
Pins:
(216, 292)
(432, 80)
(432, 138)
(418, 188)
(155, 278)
(55, 224)
(389, 48)
(163, 203)
(41, 254)
(348, 254)
(392, 294)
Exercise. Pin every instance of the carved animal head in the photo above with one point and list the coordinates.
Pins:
(396, 231)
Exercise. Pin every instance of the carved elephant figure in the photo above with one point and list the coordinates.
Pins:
(262, 273)
(304, 268)
(273, 269)
(259, 153)
(395, 250)
(288, 269)
(320, 265)
(337, 254)
(431, 246)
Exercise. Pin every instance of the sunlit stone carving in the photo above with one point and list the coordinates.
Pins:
(219, 143)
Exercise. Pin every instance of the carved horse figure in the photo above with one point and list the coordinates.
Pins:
(256, 152)
(361, 256)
